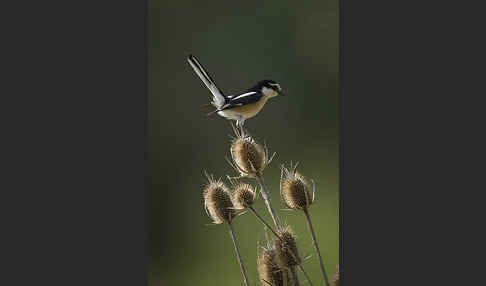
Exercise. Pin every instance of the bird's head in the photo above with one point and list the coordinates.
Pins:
(269, 88)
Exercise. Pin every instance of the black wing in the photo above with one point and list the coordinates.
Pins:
(242, 99)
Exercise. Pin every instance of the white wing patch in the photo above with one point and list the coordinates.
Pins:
(244, 95)
(218, 97)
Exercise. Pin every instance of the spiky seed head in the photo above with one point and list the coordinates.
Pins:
(295, 193)
(249, 157)
(286, 248)
(336, 277)
(243, 196)
(217, 202)
(268, 269)
(294, 189)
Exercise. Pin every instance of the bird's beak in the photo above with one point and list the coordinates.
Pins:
(281, 93)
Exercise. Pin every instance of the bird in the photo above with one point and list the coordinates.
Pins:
(240, 106)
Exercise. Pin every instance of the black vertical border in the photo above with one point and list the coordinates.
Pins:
(75, 155)
(340, 149)
(408, 133)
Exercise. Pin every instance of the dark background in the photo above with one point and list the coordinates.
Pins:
(240, 43)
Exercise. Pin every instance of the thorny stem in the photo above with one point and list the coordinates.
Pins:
(268, 283)
(237, 250)
(266, 198)
(294, 276)
(309, 223)
(268, 203)
(276, 235)
(263, 221)
(305, 274)
(285, 274)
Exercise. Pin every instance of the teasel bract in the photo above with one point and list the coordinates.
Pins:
(243, 196)
(286, 248)
(337, 276)
(217, 201)
(219, 207)
(296, 194)
(268, 269)
(295, 190)
(248, 156)
(249, 159)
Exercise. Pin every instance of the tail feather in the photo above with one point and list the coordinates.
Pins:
(218, 96)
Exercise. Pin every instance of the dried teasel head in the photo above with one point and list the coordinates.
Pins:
(294, 189)
(336, 277)
(249, 157)
(243, 196)
(217, 201)
(286, 248)
(268, 270)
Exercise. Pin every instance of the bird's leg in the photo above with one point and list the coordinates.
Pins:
(239, 125)
(240, 122)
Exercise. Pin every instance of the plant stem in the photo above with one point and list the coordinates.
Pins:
(309, 223)
(285, 278)
(266, 198)
(305, 274)
(237, 250)
(264, 222)
(294, 276)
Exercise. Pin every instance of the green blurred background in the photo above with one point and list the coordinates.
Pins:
(240, 42)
